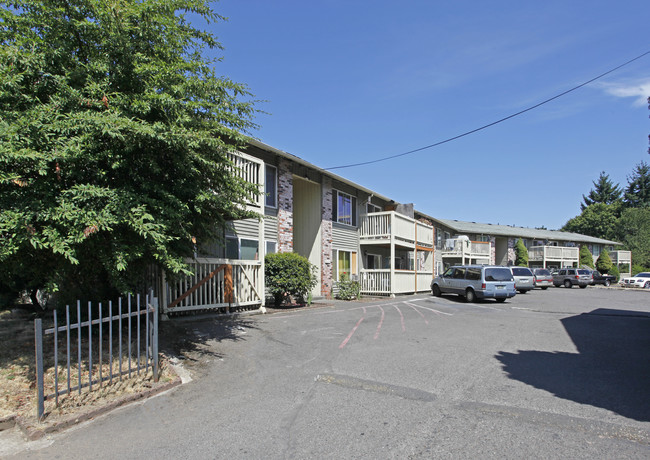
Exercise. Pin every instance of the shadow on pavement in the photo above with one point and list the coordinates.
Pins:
(611, 369)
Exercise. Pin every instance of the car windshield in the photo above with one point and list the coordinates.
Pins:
(498, 274)
(521, 271)
(584, 272)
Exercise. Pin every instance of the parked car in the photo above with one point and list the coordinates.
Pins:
(569, 277)
(602, 278)
(543, 278)
(524, 279)
(476, 282)
(639, 280)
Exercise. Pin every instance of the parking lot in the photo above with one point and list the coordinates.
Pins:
(561, 373)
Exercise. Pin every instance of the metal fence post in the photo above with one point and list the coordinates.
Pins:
(155, 338)
(38, 332)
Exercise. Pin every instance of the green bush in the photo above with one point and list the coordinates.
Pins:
(585, 257)
(289, 274)
(521, 254)
(348, 289)
(637, 268)
(614, 272)
(604, 263)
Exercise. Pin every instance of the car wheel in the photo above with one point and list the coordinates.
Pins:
(607, 283)
(470, 296)
(435, 290)
(501, 299)
(583, 286)
(523, 291)
(567, 284)
(647, 285)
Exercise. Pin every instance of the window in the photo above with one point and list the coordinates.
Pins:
(596, 250)
(271, 247)
(373, 262)
(346, 263)
(473, 273)
(345, 207)
(242, 249)
(438, 238)
(483, 238)
(271, 186)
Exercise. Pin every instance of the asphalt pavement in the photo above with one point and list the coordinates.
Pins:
(561, 373)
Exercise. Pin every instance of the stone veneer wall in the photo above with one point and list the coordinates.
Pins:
(493, 250)
(285, 207)
(511, 251)
(326, 235)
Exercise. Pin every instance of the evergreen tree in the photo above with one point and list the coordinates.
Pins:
(521, 254)
(637, 193)
(604, 263)
(586, 258)
(604, 191)
(114, 140)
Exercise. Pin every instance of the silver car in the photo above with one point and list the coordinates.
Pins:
(524, 279)
(476, 282)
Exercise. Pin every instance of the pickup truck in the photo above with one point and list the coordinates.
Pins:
(600, 278)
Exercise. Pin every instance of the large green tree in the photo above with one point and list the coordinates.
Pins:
(604, 191)
(634, 232)
(637, 192)
(114, 135)
(598, 220)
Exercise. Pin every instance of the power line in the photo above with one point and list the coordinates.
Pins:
(490, 124)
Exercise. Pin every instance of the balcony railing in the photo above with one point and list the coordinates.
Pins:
(461, 247)
(382, 226)
(379, 282)
(557, 254)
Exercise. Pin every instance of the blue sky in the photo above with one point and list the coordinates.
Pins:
(353, 81)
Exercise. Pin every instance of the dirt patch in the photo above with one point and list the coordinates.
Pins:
(18, 397)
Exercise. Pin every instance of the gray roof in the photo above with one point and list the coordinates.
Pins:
(522, 232)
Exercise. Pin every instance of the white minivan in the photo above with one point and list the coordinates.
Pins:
(476, 282)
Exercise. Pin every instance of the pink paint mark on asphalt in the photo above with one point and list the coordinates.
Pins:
(401, 316)
(381, 321)
(419, 313)
(354, 329)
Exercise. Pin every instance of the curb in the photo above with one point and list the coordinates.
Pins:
(33, 432)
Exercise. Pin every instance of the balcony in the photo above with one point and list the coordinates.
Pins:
(467, 251)
(557, 256)
(622, 258)
(387, 227)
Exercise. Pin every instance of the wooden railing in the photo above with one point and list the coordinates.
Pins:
(564, 255)
(216, 283)
(389, 224)
(458, 247)
(378, 282)
(250, 169)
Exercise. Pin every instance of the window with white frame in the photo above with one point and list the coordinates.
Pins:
(271, 247)
(344, 209)
(271, 186)
(346, 262)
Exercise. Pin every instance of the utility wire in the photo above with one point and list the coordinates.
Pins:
(490, 124)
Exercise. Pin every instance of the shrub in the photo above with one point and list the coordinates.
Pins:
(604, 263)
(288, 274)
(348, 289)
(638, 268)
(614, 272)
(521, 254)
(585, 257)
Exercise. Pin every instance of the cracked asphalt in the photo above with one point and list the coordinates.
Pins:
(551, 374)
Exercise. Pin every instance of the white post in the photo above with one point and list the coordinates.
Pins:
(392, 254)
